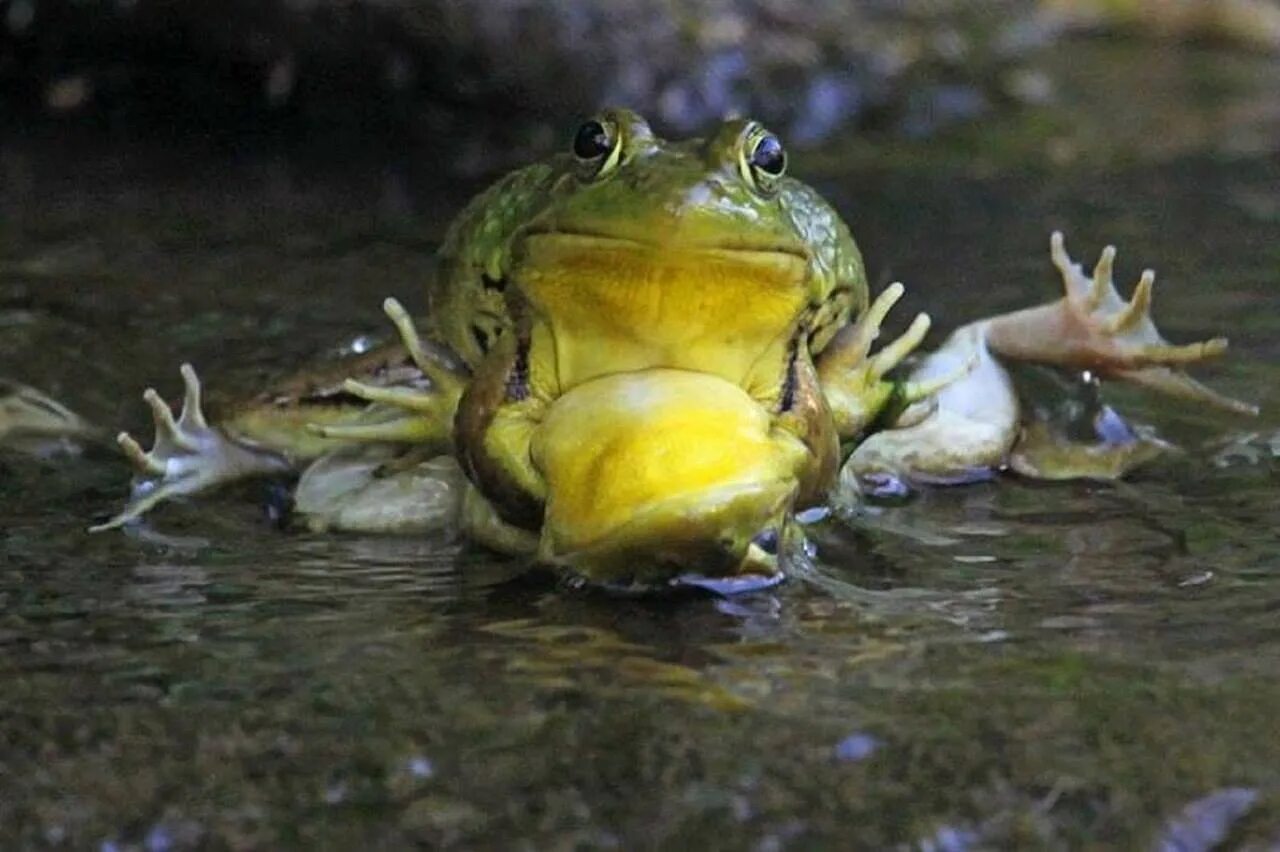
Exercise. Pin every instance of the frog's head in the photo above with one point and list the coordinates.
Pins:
(655, 409)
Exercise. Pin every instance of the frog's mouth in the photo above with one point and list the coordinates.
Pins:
(605, 304)
(658, 416)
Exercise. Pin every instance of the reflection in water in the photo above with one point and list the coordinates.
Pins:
(1245, 448)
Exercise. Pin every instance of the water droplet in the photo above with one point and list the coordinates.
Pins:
(360, 344)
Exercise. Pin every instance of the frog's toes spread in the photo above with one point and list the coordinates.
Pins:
(406, 414)
(853, 380)
(1093, 327)
(188, 455)
(1129, 335)
(1118, 330)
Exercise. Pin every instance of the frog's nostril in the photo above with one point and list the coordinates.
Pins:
(767, 541)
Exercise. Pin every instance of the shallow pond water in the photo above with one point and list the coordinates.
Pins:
(1009, 664)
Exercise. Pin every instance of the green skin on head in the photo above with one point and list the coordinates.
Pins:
(645, 356)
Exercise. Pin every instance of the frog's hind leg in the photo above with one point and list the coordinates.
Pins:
(973, 426)
(188, 456)
(381, 488)
(960, 432)
(1093, 328)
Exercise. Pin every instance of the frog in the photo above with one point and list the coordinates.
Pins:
(642, 360)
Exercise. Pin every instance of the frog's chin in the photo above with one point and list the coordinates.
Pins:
(660, 473)
(720, 533)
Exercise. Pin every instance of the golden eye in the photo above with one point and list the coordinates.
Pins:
(597, 145)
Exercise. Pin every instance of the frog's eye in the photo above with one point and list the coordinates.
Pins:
(763, 159)
(768, 156)
(592, 141)
(596, 145)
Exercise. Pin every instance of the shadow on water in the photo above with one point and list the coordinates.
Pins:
(1008, 664)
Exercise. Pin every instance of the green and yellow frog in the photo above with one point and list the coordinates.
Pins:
(642, 358)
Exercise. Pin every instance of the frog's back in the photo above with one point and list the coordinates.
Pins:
(467, 309)
(843, 292)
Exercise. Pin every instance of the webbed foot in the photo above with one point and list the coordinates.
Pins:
(1094, 327)
(406, 414)
(854, 380)
(188, 455)
(1043, 452)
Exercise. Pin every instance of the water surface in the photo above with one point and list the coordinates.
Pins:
(1009, 664)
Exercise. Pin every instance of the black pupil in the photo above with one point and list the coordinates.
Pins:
(768, 156)
(592, 141)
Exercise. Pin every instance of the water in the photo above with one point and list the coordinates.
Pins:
(1009, 664)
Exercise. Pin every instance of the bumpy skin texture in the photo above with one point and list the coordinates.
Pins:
(645, 356)
(650, 256)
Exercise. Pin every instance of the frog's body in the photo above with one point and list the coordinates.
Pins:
(644, 357)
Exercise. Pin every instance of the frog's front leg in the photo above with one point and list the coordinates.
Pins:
(968, 431)
(855, 382)
(188, 456)
(403, 413)
(396, 473)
